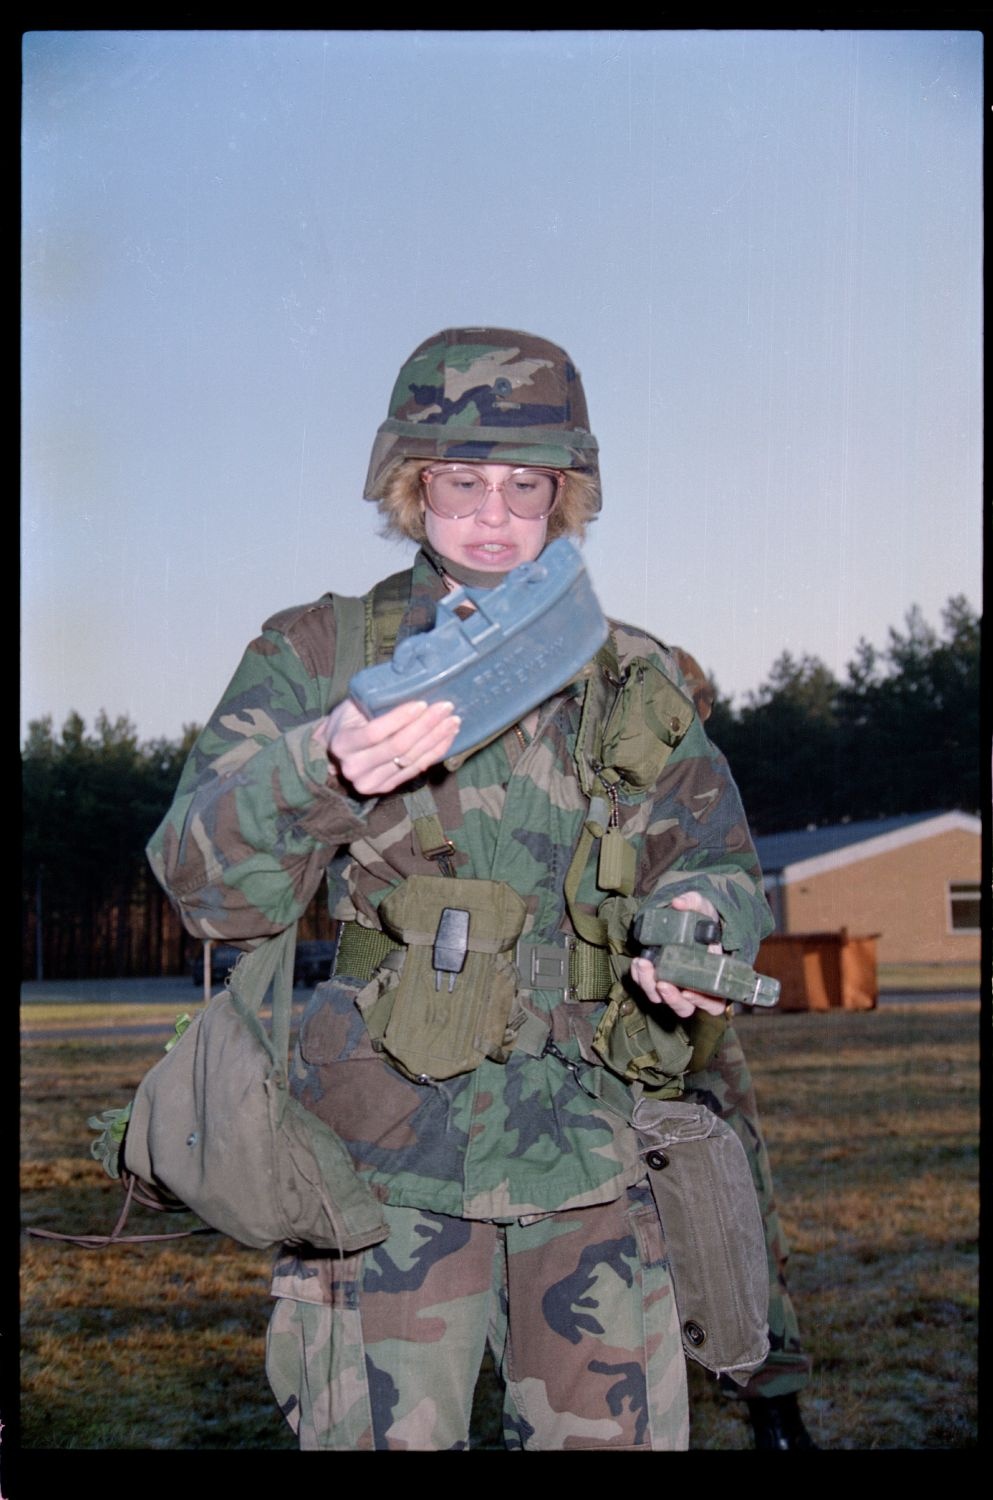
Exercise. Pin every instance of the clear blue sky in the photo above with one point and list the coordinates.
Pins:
(762, 249)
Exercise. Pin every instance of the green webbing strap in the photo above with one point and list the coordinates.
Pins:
(592, 929)
(361, 950)
(590, 974)
(385, 606)
(349, 645)
(366, 632)
(432, 840)
(531, 1032)
(601, 689)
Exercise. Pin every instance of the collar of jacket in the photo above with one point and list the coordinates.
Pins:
(473, 578)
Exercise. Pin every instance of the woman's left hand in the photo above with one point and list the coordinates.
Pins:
(659, 991)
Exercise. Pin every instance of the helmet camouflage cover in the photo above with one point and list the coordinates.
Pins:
(486, 395)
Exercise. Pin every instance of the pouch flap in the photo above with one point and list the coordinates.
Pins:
(411, 913)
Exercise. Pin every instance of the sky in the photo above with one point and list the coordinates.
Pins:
(762, 249)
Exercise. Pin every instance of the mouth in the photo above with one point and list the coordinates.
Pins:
(489, 551)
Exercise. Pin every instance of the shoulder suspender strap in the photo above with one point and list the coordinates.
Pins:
(367, 629)
(349, 647)
(432, 840)
(601, 690)
(385, 605)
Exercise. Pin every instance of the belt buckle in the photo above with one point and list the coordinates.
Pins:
(544, 966)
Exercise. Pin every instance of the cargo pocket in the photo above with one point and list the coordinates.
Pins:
(315, 1352)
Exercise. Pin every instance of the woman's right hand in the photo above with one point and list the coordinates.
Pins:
(376, 755)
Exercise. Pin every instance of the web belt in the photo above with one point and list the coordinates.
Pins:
(579, 968)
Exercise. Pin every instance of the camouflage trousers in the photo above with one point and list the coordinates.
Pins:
(725, 1086)
(381, 1350)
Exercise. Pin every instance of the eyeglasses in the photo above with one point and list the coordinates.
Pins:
(456, 491)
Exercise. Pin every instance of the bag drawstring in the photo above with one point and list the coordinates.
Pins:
(136, 1193)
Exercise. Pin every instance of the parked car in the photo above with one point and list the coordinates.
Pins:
(223, 958)
(313, 961)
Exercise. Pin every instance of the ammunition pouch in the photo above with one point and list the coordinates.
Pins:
(643, 1044)
(436, 1022)
(700, 1179)
(640, 1043)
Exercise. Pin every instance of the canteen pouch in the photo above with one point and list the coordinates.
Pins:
(700, 1179)
(435, 1023)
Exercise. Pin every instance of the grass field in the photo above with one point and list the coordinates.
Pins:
(872, 1124)
(924, 978)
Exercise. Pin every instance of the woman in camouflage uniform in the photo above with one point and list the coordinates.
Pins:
(517, 1199)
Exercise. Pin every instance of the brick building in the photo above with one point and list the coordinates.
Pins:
(913, 880)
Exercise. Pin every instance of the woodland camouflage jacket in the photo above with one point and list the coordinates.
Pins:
(257, 821)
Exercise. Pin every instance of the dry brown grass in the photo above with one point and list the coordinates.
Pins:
(150, 1346)
(872, 1123)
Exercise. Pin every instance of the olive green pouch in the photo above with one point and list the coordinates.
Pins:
(435, 1023)
(643, 1044)
(649, 717)
(214, 1122)
(700, 1179)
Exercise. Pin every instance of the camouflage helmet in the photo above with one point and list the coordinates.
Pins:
(489, 395)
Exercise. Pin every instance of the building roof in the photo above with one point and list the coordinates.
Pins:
(811, 851)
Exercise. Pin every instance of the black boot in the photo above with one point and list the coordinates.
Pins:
(777, 1423)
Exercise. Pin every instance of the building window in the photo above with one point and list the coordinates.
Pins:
(963, 905)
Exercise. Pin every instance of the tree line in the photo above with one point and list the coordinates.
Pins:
(900, 734)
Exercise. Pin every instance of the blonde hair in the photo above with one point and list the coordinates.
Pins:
(400, 503)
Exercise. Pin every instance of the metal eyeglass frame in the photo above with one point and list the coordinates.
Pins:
(428, 474)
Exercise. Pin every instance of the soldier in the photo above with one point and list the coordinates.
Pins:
(475, 1102)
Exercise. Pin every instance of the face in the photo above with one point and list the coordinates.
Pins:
(491, 540)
